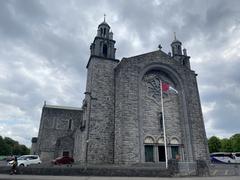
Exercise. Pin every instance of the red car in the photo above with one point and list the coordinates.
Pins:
(63, 160)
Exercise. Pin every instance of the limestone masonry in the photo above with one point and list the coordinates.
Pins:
(121, 119)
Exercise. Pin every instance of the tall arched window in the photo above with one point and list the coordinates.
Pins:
(70, 124)
(149, 155)
(161, 121)
(105, 49)
(104, 31)
(175, 148)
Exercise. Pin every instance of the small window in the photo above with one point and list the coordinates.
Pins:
(104, 31)
(161, 121)
(65, 153)
(183, 62)
(34, 157)
(175, 152)
(105, 50)
(70, 124)
(161, 154)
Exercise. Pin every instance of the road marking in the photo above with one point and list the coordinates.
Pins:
(226, 172)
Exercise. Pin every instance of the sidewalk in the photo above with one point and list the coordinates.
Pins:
(33, 177)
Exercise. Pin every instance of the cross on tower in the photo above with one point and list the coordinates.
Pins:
(104, 17)
(175, 38)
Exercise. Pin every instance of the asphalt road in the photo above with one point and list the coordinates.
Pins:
(29, 177)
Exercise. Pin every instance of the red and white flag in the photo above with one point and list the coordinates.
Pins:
(166, 87)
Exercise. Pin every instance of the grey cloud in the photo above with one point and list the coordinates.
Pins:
(9, 26)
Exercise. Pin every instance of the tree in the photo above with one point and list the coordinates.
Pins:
(214, 144)
(23, 149)
(5, 148)
(226, 145)
(9, 146)
(235, 140)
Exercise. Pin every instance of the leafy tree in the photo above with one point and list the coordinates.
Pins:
(226, 145)
(235, 140)
(9, 146)
(214, 144)
(5, 148)
(23, 149)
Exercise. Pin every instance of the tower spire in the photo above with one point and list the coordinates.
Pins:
(176, 46)
(175, 38)
(103, 44)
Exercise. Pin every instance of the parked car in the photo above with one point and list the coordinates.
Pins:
(63, 160)
(27, 160)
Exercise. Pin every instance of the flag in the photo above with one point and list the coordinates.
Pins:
(173, 90)
(166, 87)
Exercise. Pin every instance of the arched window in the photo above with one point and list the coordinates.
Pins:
(70, 124)
(179, 49)
(101, 31)
(174, 141)
(149, 140)
(161, 121)
(105, 50)
(104, 31)
(149, 155)
(161, 150)
(175, 148)
(160, 140)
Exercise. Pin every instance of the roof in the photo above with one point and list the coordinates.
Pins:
(176, 41)
(62, 107)
(104, 23)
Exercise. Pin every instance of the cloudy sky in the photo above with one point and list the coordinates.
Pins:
(44, 49)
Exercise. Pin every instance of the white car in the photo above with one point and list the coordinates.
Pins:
(27, 160)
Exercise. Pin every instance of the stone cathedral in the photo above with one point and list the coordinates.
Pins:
(121, 119)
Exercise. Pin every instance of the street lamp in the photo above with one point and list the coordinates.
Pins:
(88, 124)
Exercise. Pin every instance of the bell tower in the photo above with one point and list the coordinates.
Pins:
(99, 98)
(103, 44)
(176, 47)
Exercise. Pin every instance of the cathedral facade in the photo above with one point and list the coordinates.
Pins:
(127, 115)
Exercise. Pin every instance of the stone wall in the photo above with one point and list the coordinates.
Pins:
(200, 145)
(100, 103)
(134, 111)
(55, 125)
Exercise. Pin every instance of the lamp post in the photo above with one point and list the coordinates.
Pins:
(88, 124)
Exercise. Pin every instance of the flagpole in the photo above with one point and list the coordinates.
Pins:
(164, 131)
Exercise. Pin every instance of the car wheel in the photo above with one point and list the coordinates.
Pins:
(21, 165)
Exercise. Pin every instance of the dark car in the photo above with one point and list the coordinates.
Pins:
(63, 160)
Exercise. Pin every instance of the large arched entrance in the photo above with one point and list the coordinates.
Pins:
(151, 115)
